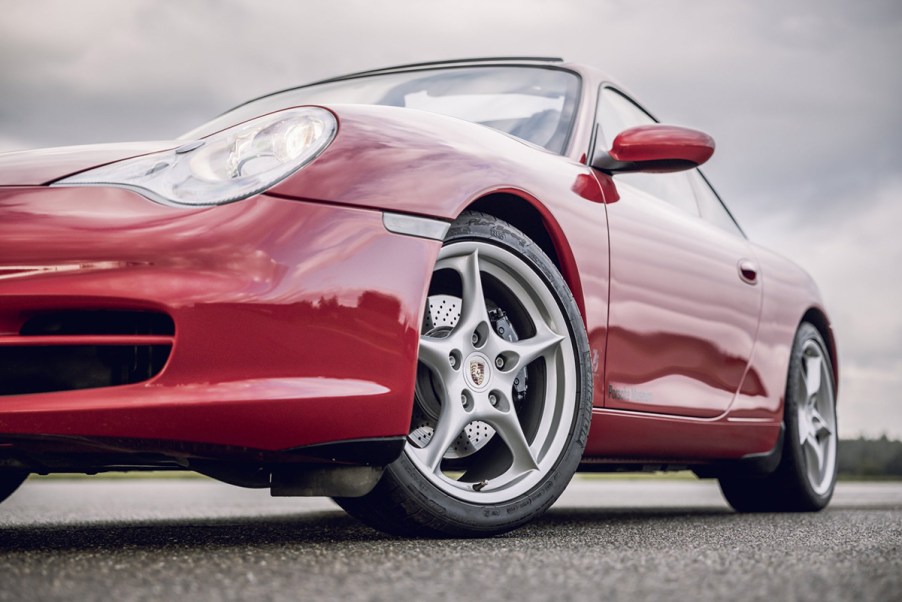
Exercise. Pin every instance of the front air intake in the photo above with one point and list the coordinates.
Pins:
(84, 349)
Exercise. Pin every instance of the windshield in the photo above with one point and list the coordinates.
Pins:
(530, 103)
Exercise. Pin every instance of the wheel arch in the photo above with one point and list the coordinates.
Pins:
(533, 219)
(817, 318)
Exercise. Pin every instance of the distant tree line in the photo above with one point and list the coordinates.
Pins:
(870, 457)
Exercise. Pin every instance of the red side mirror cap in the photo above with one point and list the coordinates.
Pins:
(655, 148)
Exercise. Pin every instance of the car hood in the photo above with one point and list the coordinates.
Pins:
(37, 167)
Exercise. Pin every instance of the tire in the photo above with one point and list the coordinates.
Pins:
(10, 480)
(805, 478)
(503, 393)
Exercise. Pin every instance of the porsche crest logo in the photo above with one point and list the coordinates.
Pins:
(477, 372)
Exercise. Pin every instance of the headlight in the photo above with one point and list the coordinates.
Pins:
(227, 166)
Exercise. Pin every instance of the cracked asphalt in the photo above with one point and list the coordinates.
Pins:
(605, 539)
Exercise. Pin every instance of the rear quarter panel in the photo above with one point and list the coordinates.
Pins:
(789, 293)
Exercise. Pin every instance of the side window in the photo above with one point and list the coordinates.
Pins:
(710, 205)
(617, 113)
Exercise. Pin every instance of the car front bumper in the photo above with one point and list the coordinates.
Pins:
(295, 323)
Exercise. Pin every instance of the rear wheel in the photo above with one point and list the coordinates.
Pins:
(10, 481)
(503, 392)
(806, 476)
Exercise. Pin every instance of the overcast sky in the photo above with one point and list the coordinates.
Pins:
(803, 99)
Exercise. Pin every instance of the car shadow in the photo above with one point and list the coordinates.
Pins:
(599, 519)
(331, 527)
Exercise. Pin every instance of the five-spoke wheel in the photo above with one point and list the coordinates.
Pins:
(806, 475)
(474, 358)
(503, 392)
(816, 417)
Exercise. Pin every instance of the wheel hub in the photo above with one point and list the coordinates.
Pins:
(478, 375)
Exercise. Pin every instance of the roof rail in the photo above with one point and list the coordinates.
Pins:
(496, 59)
(493, 59)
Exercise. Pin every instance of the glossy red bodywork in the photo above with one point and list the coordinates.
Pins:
(655, 143)
(682, 322)
(289, 316)
(297, 313)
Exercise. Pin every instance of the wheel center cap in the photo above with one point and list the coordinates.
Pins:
(477, 372)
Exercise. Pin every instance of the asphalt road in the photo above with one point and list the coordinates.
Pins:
(605, 539)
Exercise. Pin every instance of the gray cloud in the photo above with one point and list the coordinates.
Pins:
(801, 98)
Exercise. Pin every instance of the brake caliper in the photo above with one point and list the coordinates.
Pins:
(502, 325)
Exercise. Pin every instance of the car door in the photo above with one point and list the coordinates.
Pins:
(684, 294)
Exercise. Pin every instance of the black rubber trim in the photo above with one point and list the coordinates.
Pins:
(604, 162)
(378, 451)
(61, 453)
(751, 465)
(765, 462)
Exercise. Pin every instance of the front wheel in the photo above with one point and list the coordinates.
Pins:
(806, 476)
(503, 392)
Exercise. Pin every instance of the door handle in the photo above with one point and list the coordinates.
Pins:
(748, 271)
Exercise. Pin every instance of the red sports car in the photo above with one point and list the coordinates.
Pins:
(432, 292)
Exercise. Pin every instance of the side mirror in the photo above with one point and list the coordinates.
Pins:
(655, 148)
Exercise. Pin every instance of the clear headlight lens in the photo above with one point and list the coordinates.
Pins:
(227, 166)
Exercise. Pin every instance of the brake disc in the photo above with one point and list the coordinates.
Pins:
(442, 314)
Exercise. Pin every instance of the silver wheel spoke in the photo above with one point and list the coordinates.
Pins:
(435, 353)
(508, 426)
(804, 425)
(450, 423)
(814, 454)
(474, 311)
(528, 350)
(820, 428)
(812, 376)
